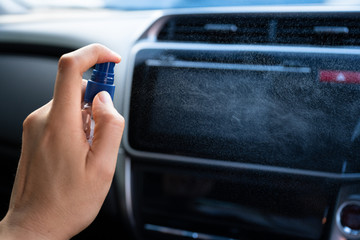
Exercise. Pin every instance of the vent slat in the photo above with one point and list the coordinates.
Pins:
(210, 29)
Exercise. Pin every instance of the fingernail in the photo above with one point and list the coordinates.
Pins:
(105, 98)
(119, 58)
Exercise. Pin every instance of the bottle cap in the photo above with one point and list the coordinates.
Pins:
(102, 79)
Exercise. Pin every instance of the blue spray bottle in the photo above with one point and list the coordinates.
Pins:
(102, 79)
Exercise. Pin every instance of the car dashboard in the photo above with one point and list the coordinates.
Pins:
(241, 123)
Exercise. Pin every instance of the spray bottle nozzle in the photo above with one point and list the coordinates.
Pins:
(103, 73)
(102, 79)
(107, 67)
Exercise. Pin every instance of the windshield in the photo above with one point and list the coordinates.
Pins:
(162, 4)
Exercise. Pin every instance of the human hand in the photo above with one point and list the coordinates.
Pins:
(62, 181)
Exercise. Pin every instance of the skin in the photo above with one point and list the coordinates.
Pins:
(62, 181)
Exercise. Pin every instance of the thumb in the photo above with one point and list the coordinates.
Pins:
(109, 127)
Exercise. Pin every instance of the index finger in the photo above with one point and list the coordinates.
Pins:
(67, 92)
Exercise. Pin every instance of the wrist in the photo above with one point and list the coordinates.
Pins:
(12, 231)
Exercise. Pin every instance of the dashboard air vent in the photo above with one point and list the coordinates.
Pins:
(324, 30)
(339, 31)
(216, 29)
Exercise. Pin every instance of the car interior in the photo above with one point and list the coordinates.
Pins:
(242, 117)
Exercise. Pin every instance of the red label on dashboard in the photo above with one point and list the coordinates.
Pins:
(339, 76)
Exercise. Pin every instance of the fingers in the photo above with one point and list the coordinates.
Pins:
(109, 126)
(67, 93)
